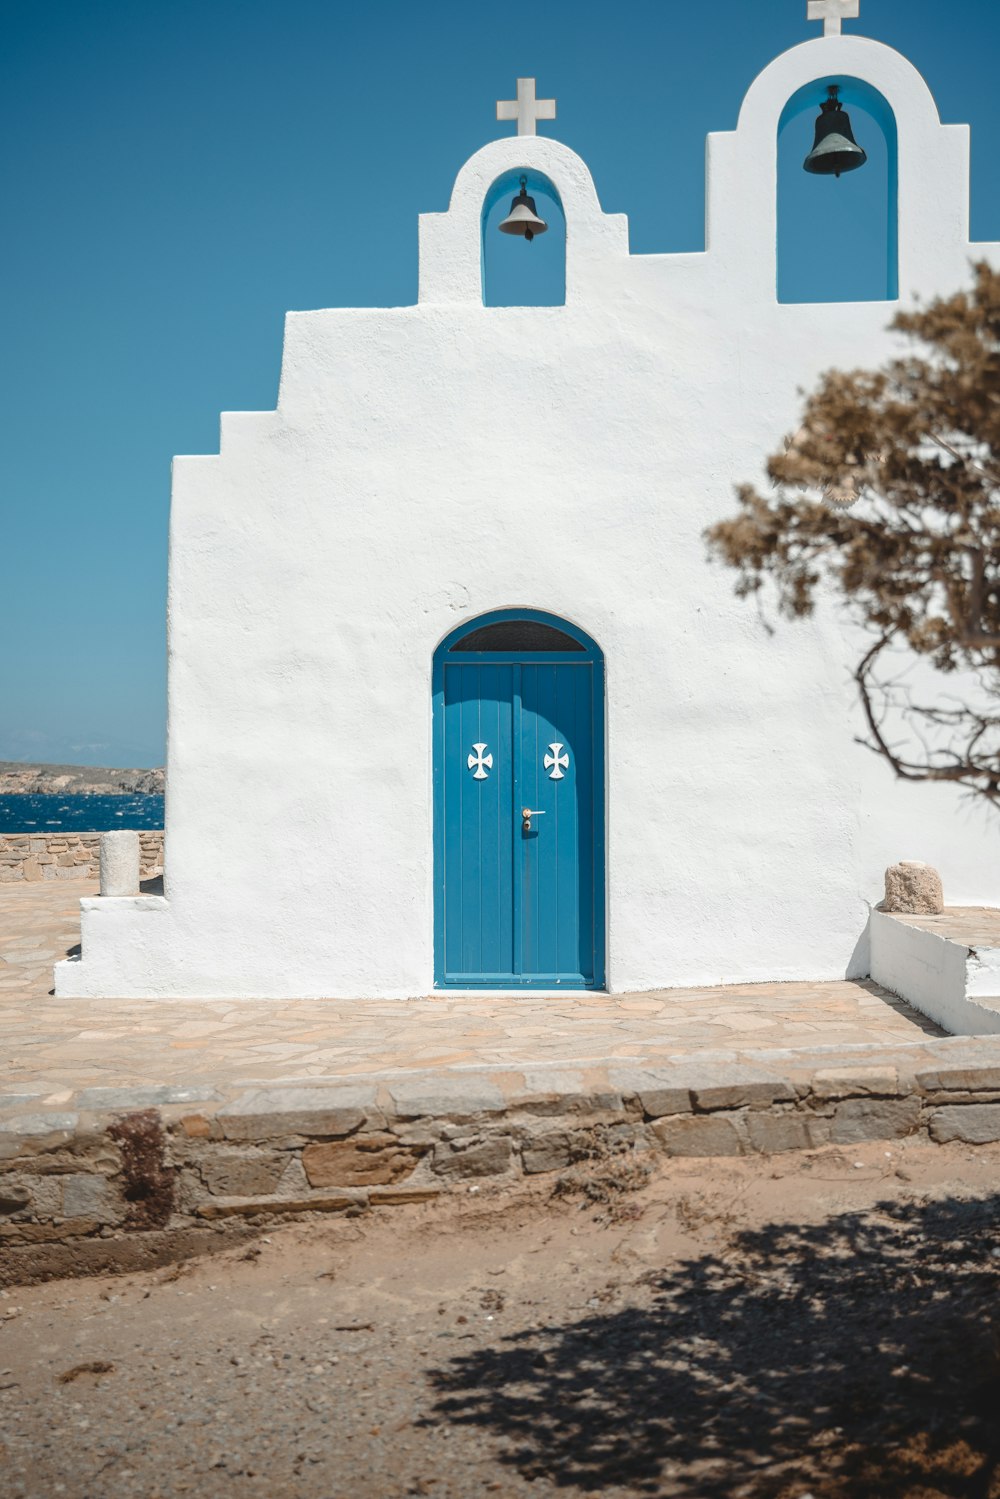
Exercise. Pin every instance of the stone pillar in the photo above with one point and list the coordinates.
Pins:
(120, 863)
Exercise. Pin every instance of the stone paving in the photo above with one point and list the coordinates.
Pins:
(54, 1047)
(972, 926)
(133, 1131)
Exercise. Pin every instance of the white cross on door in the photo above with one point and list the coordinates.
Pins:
(556, 762)
(479, 763)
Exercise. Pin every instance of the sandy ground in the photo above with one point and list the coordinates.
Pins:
(821, 1324)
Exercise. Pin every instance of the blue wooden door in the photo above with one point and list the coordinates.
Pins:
(520, 899)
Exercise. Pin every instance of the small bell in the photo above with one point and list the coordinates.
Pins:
(522, 218)
(834, 149)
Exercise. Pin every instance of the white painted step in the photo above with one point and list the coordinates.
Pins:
(947, 967)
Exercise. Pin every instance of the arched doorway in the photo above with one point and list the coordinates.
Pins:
(519, 727)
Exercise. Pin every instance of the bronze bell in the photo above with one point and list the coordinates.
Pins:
(523, 218)
(834, 149)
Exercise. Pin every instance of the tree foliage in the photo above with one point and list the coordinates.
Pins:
(889, 494)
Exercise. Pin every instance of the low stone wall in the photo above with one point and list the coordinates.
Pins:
(82, 1187)
(68, 856)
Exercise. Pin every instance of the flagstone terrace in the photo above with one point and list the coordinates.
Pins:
(52, 1046)
(135, 1132)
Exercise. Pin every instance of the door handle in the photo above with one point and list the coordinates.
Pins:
(526, 815)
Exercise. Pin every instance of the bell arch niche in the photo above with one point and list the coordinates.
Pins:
(838, 238)
(519, 877)
(517, 272)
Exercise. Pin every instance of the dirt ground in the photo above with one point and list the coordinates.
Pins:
(823, 1324)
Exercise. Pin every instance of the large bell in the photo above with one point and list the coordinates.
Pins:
(834, 150)
(522, 218)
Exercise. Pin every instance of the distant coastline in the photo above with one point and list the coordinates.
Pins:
(18, 779)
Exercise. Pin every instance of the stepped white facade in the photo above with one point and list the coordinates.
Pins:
(318, 562)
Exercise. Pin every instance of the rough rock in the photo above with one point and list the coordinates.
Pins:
(229, 1172)
(855, 1082)
(685, 1135)
(487, 1158)
(552, 1150)
(365, 1161)
(734, 1086)
(977, 1123)
(772, 1133)
(913, 889)
(874, 1119)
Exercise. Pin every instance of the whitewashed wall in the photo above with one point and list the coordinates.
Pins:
(318, 560)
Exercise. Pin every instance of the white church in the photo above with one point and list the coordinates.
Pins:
(437, 725)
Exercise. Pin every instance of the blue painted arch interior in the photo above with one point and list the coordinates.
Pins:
(838, 238)
(519, 901)
(514, 272)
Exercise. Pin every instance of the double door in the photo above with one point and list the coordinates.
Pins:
(519, 879)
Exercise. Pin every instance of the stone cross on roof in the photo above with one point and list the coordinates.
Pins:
(526, 109)
(832, 12)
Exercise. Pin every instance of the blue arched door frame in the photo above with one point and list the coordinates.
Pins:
(588, 652)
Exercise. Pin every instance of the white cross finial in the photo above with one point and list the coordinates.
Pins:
(832, 12)
(526, 109)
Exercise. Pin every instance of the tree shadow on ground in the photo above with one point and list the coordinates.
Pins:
(858, 1357)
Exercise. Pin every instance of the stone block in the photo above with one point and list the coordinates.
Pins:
(913, 889)
(552, 1090)
(698, 1136)
(48, 1233)
(487, 1158)
(962, 1078)
(974, 1123)
(86, 1195)
(855, 1082)
(859, 1119)
(362, 1161)
(65, 861)
(726, 1086)
(37, 845)
(39, 1124)
(31, 869)
(14, 1197)
(455, 1097)
(323, 1202)
(269, 1112)
(228, 1171)
(145, 1097)
(660, 1090)
(554, 1150)
(386, 1197)
(773, 1133)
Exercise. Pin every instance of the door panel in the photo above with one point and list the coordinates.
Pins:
(478, 811)
(556, 755)
(519, 906)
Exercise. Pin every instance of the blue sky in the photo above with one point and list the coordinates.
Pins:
(178, 173)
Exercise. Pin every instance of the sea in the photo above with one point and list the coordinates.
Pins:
(79, 814)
